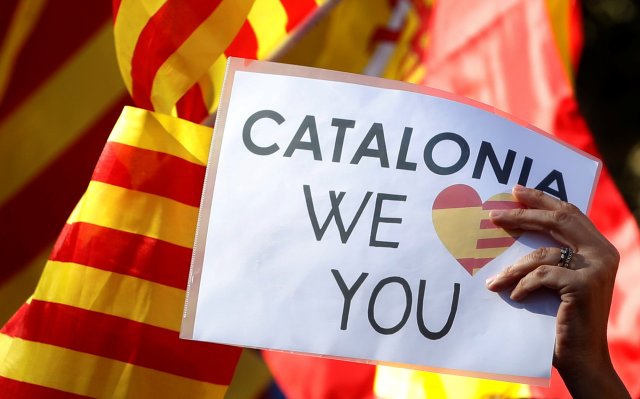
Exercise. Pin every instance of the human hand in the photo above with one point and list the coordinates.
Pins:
(585, 288)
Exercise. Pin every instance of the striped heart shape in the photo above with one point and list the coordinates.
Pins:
(462, 223)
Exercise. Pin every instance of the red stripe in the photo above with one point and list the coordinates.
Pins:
(499, 242)
(7, 8)
(124, 340)
(383, 34)
(31, 219)
(473, 263)
(457, 196)
(163, 34)
(115, 7)
(192, 106)
(297, 11)
(487, 224)
(245, 44)
(17, 389)
(62, 28)
(490, 205)
(125, 253)
(150, 172)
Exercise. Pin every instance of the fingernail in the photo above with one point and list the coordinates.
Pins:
(496, 213)
(490, 281)
(518, 187)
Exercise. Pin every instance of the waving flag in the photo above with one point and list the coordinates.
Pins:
(105, 317)
(172, 54)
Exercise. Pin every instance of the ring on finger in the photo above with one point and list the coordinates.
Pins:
(566, 254)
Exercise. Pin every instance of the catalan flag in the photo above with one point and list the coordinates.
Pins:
(105, 317)
(172, 54)
(60, 94)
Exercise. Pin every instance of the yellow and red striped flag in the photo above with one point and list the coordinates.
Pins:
(104, 319)
(172, 53)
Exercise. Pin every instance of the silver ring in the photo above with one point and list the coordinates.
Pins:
(566, 254)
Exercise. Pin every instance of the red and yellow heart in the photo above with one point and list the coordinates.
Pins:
(462, 223)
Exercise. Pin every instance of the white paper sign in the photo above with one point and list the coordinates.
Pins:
(347, 216)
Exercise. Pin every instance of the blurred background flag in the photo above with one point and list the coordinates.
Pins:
(60, 93)
(117, 267)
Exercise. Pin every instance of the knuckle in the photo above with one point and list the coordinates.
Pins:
(614, 256)
(542, 271)
(609, 257)
(519, 213)
(537, 194)
(539, 254)
(561, 216)
(508, 271)
(570, 208)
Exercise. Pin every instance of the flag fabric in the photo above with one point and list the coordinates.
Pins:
(121, 261)
(518, 56)
(172, 54)
(60, 94)
(34, 27)
(105, 317)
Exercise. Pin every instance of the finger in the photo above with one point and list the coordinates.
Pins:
(552, 277)
(567, 225)
(523, 266)
(536, 199)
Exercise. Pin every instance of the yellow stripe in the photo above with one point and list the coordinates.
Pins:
(25, 17)
(391, 382)
(55, 116)
(93, 376)
(132, 17)
(111, 293)
(251, 378)
(197, 54)
(417, 75)
(492, 233)
(559, 16)
(395, 66)
(216, 77)
(163, 133)
(137, 212)
(410, 62)
(324, 46)
(450, 222)
(268, 18)
(17, 289)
